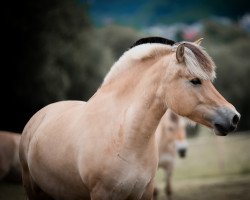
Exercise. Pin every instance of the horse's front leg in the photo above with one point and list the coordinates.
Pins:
(168, 188)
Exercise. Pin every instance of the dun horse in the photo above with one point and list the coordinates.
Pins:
(171, 138)
(106, 148)
(10, 168)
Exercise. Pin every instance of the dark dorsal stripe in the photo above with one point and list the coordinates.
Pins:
(159, 40)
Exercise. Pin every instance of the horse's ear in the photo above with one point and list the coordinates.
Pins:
(180, 53)
(174, 117)
(198, 42)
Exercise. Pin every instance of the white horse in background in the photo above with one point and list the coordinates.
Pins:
(10, 168)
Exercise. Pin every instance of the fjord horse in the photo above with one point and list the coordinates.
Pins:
(106, 149)
(171, 139)
(10, 168)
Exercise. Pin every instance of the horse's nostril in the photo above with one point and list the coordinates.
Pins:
(235, 120)
(232, 128)
(182, 153)
(220, 127)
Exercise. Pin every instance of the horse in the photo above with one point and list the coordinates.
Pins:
(106, 148)
(171, 139)
(10, 168)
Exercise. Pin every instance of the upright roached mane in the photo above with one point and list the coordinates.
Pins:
(144, 48)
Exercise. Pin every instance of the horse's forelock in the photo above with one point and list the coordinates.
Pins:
(200, 58)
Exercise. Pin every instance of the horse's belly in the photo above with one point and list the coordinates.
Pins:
(128, 184)
(60, 186)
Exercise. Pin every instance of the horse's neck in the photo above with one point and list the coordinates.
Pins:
(142, 121)
(141, 90)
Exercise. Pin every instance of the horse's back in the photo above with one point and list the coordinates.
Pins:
(48, 112)
(44, 115)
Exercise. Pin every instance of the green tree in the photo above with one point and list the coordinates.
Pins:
(51, 53)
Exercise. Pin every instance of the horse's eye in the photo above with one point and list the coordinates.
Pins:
(196, 81)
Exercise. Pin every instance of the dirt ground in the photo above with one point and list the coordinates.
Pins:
(230, 188)
(216, 168)
(11, 192)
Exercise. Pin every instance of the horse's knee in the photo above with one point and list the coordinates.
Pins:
(168, 190)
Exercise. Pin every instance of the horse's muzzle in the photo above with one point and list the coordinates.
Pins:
(225, 121)
(182, 153)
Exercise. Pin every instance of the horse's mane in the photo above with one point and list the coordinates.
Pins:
(158, 40)
(198, 62)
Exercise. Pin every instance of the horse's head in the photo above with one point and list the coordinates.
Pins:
(190, 91)
(182, 73)
(181, 140)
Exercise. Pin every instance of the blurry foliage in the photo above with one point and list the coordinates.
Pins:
(229, 46)
(143, 13)
(193, 130)
(52, 53)
(118, 38)
(223, 33)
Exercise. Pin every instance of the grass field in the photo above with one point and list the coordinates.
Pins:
(216, 168)
(11, 192)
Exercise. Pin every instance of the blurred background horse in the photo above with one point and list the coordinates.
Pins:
(171, 139)
(10, 168)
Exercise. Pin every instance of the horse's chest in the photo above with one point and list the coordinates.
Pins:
(131, 187)
(130, 184)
